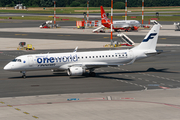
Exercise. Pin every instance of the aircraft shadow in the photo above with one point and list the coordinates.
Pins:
(41, 76)
(98, 75)
(146, 71)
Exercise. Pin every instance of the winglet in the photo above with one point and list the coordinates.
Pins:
(75, 50)
(131, 62)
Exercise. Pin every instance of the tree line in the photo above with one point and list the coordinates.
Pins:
(118, 4)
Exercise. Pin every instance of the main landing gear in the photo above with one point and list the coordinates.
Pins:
(91, 73)
(24, 74)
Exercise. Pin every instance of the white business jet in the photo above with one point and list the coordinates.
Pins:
(77, 63)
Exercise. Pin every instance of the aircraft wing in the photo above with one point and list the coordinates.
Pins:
(93, 65)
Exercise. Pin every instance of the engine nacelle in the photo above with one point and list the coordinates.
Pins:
(75, 71)
(134, 28)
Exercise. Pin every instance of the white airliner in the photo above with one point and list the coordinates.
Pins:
(120, 24)
(77, 63)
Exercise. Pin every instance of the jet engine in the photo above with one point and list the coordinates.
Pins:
(134, 28)
(75, 71)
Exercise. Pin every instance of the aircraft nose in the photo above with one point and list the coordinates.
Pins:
(7, 67)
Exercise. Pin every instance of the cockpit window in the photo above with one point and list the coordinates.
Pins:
(16, 60)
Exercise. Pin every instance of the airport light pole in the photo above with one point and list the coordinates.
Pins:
(54, 13)
(111, 21)
(87, 13)
(142, 12)
(125, 9)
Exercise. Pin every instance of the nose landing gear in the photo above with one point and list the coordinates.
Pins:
(24, 74)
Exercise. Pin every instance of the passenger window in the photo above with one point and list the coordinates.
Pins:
(112, 55)
(100, 56)
(78, 57)
(106, 55)
(109, 55)
(82, 57)
(96, 56)
(86, 56)
(93, 56)
(103, 56)
(116, 55)
(89, 56)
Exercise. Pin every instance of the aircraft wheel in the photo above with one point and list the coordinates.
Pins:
(115, 30)
(24, 76)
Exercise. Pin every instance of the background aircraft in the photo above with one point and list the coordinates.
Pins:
(119, 25)
(77, 63)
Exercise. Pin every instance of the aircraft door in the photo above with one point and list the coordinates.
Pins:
(30, 61)
(131, 54)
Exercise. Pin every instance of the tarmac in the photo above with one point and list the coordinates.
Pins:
(68, 31)
(148, 89)
(139, 105)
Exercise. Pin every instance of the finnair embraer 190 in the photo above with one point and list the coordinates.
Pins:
(77, 63)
